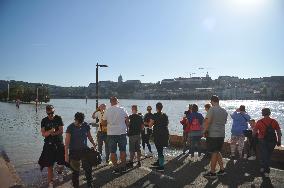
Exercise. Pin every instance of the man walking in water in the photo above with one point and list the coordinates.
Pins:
(116, 119)
(214, 131)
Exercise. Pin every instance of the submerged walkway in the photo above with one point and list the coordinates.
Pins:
(181, 172)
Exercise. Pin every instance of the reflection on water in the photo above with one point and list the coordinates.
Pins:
(20, 128)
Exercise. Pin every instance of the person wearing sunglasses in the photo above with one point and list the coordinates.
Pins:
(53, 149)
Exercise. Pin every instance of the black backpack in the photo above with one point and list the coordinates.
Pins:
(270, 135)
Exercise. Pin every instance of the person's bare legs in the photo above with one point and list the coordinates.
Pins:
(213, 162)
(113, 159)
(220, 160)
(123, 158)
(50, 174)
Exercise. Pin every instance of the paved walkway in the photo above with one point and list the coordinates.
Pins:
(8, 175)
(182, 172)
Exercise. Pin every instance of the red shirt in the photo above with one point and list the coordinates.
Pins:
(261, 125)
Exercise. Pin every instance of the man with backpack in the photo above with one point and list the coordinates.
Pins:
(267, 128)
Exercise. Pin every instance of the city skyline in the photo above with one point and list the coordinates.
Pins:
(59, 43)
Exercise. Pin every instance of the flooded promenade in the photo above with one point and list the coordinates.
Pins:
(21, 139)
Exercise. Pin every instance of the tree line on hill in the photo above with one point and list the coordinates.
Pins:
(25, 93)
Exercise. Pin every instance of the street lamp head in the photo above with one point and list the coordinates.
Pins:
(103, 65)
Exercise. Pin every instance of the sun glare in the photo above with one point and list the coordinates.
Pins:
(252, 3)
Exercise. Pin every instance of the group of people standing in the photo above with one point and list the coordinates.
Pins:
(246, 135)
(115, 124)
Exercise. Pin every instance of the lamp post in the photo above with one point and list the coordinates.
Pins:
(97, 83)
(36, 98)
(8, 95)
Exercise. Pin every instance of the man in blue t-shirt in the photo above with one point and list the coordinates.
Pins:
(76, 147)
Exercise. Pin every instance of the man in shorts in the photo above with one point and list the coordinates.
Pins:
(214, 131)
(134, 131)
(53, 149)
(116, 119)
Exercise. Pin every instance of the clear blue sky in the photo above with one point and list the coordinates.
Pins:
(60, 41)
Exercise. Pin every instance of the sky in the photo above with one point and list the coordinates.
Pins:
(60, 41)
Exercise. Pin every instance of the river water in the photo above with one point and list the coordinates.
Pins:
(20, 134)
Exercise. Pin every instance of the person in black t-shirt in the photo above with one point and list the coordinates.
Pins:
(146, 132)
(53, 149)
(160, 122)
(134, 131)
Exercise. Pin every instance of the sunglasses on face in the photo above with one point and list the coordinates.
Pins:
(50, 113)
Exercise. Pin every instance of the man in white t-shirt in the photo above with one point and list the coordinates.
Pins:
(116, 119)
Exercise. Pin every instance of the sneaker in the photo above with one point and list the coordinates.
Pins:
(155, 164)
(160, 169)
(252, 158)
(210, 175)
(50, 185)
(221, 173)
(245, 156)
(116, 171)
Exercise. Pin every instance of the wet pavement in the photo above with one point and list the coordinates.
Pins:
(181, 171)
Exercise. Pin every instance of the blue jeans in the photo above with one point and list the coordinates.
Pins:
(266, 150)
(195, 145)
